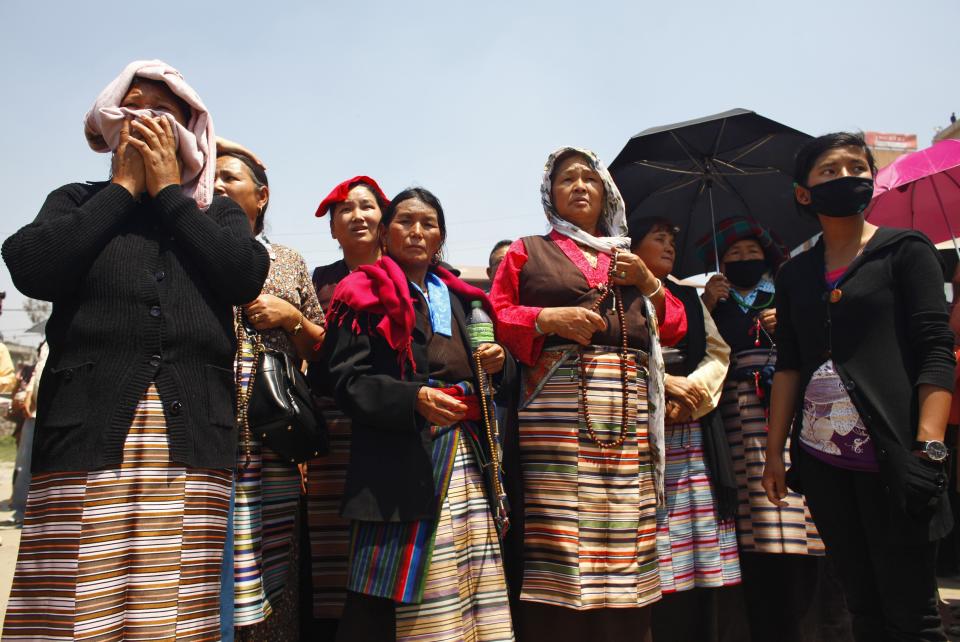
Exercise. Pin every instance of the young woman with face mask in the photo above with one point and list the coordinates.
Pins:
(778, 544)
(864, 379)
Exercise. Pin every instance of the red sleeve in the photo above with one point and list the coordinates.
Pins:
(674, 324)
(516, 324)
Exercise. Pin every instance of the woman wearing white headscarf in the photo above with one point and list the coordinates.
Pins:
(586, 318)
(135, 437)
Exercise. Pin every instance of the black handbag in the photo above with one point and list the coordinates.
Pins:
(277, 405)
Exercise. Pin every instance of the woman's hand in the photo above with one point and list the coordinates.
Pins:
(225, 146)
(675, 413)
(439, 408)
(159, 150)
(774, 480)
(268, 311)
(631, 270)
(716, 290)
(768, 320)
(574, 323)
(685, 392)
(128, 170)
(491, 357)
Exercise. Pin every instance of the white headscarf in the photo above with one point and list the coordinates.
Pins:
(196, 142)
(613, 218)
(613, 221)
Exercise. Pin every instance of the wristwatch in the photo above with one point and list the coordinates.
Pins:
(934, 449)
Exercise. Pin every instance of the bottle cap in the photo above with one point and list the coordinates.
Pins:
(476, 304)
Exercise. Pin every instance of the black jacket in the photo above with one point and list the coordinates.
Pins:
(141, 292)
(887, 334)
(390, 475)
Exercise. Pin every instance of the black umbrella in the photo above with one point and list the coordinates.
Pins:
(701, 171)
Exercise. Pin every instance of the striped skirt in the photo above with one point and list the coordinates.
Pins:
(264, 527)
(128, 553)
(761, 526)
(590, 531)
(465, 593)
(329, 532)
(267, 493)
(696, 549)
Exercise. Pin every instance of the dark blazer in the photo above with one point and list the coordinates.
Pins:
(142, 291)
(887, 334)
(390, 475)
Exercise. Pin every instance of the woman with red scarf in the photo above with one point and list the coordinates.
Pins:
(355, 208)
(425, 556)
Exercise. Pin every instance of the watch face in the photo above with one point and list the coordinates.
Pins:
(936, 450)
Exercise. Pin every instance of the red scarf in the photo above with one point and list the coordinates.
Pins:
(383, 289)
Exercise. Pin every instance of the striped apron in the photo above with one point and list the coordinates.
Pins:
(267, 493)
(590, 529)
(445, 575)
(761, 526)
(696, 549)
(329, 532)
(128, 553)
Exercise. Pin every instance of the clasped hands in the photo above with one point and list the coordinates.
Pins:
(439, 408)
(146, 159)
(683, 398)
(579, 324)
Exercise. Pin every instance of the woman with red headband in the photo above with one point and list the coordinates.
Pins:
(355, 208)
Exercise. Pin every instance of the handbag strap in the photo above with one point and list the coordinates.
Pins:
(245, 334)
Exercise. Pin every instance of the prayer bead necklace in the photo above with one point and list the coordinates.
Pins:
(605, 290)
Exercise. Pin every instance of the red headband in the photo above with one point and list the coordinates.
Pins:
(339, 193)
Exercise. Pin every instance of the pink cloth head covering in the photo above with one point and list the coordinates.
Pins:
(196, 142)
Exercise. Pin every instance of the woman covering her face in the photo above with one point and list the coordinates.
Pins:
(267, 490)
(135, 432)
(425, 554)
(696, 529)
(591, 447)
(863, 387)
(355, 208)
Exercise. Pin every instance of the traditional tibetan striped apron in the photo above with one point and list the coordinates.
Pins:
(264, 523)
(329, 532)
(695, 548)
(128, 553)
(590, 532)
(761, 526)
(446, 575)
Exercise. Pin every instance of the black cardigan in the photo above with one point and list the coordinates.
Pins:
(390, 475)
(141, 292)
(887, 334)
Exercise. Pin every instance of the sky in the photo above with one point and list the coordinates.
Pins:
(466, 99)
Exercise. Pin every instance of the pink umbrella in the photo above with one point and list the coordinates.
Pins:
(921, 191)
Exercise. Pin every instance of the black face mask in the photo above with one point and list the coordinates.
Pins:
(745, 274)
(847, 196)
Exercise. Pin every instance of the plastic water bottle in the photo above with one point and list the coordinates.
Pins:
(479, 326)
